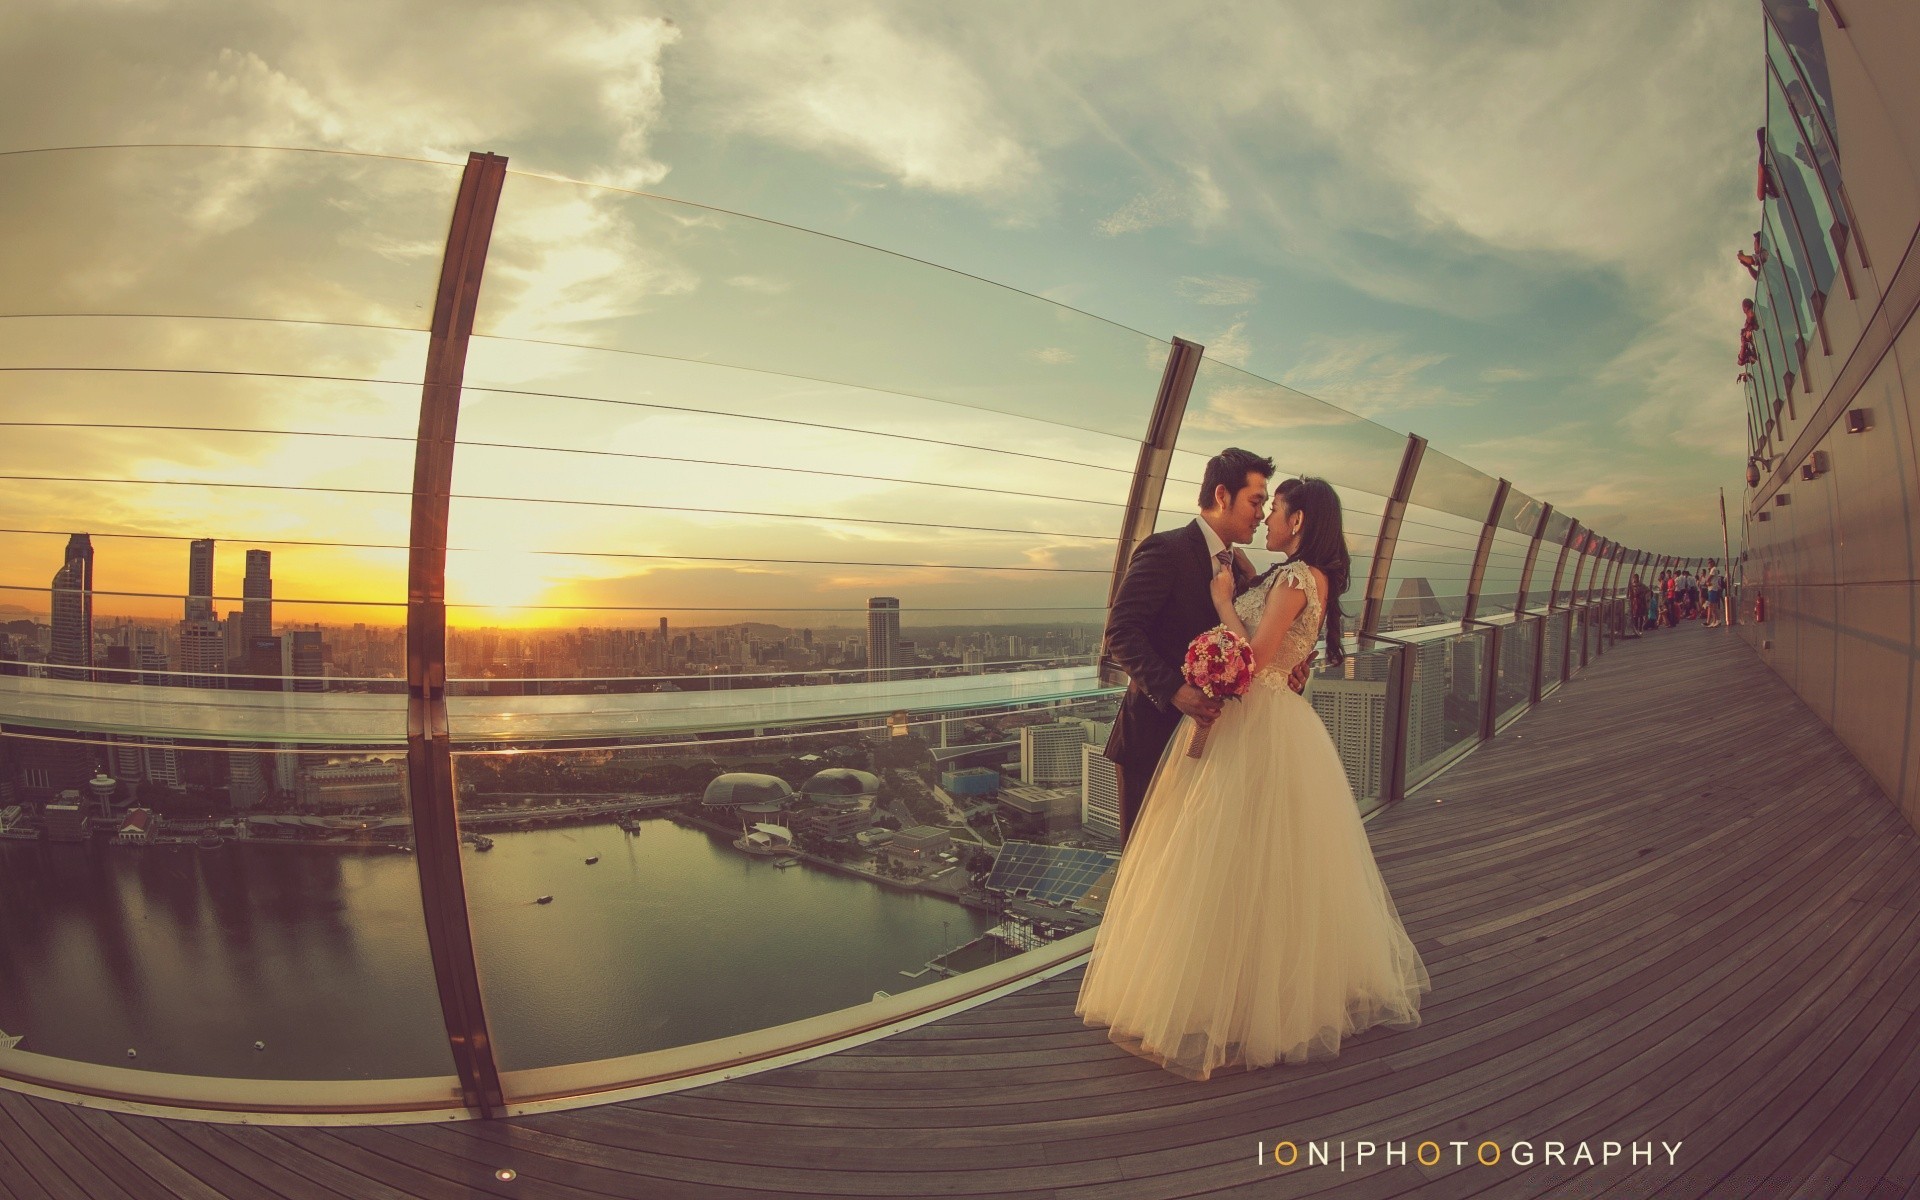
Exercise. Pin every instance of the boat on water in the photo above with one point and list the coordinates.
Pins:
(592, 859)
(544, 900)
(784, 863)
(209, 842)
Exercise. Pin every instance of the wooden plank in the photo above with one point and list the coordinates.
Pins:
(215, 1169)
(59, 1166)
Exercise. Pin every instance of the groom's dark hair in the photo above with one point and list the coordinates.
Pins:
(1229, 469)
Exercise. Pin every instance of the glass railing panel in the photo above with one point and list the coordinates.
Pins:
(1352, 700)
(1553, 664)
(1451, 676)
(1445, 484)
(577, 265)
(643, 898)
(276, 235)
(206, 525)
(1305, 437)
(748, 504)
(1519, 642)
(1431, 570)
(240, 914)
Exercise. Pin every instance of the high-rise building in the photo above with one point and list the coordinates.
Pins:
(1427, 707)
(1355, 714)
(1099, 793)
(247, 780)
(203, 644)
(73, 612)
(257, 594)
(303, 660)
(1414, 606)
(200, 580)
(158, 760)
(262, 664)
(1050, 754)
(203, 652)
(883, 637)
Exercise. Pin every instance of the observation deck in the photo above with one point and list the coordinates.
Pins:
(394, 865)
(1630, 940)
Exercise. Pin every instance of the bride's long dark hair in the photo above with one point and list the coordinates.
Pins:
(1323, 544)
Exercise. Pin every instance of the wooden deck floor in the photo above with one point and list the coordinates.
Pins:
(1667, 906)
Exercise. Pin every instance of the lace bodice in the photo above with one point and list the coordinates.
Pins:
(1305, 631)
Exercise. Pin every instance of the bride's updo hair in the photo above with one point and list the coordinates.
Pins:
(1323, 544)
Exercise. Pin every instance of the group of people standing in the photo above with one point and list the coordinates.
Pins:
(1678, 596)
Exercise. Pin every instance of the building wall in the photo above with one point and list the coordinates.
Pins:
(1836, 563)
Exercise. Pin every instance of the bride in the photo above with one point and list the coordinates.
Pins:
(1248, 924)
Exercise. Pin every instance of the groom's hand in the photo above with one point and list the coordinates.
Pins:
(1196, 704)
(1297, 680)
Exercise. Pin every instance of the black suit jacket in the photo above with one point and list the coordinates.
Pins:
(1165, 601)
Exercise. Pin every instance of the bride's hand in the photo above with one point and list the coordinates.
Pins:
(1242, 563)
(1223, 585)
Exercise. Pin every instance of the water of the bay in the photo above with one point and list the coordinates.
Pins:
(190, 956)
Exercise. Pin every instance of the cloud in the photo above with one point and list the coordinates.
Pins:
(1224, 290)
(1230, 345)
(1689, 395)
(578, 90)
(763, 284)
(1197, 201)
(1052, 355)
(1508, 375)
(1369, 375)
(853, 85)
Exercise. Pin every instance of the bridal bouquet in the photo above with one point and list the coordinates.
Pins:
(1220, 664)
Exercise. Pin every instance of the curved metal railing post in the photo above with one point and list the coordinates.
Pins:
(1150, 473)
(1481, 551)
(436, 831)
(1383, 546)
(1560, 565)
(1533, 556)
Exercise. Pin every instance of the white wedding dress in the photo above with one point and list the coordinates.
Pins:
(1248, 923)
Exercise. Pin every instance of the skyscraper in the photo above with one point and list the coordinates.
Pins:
(1099, 793)
(1427, 705)
(159, 762)
(1415, 605)
(73, 612)
(257, 594)
(883, 637)
(304, 661)
(203, 645)
(200, 579)
(1050, 754)
(1355, 714)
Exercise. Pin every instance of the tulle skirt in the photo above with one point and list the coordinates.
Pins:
(1248, 924)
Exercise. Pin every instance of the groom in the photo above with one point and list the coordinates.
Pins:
(1165, 602)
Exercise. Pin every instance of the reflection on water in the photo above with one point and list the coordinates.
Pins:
(189, 957)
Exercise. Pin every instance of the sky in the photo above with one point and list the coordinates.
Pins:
(1508, 227)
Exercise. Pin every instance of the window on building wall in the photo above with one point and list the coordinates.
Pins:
(1801, 207)
(1786, 282)
(1797, 25)
(1816, 124)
